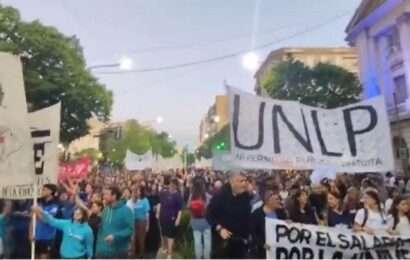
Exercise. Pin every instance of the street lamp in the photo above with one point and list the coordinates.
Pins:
(159, 120)
(250, 61)
(125, 63)
(217, 119)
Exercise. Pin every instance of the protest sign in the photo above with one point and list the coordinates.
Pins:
(165, 164)
(76, 170)
(274, 134)
(298, 241)
(135, 162)
(16, 149)
(45, 131)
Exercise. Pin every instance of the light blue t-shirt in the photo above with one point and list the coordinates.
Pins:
(140, 208)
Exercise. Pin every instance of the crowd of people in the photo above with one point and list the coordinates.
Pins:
(138, 214)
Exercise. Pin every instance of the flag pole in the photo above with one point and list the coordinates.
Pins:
(34, 221)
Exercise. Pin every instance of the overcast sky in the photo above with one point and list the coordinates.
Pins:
(156, 33)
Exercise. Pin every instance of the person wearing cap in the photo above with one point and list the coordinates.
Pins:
(45, 234)
(229, 213)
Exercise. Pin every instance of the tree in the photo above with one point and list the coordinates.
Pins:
(218, 142)
(54, 70)
(136, 138)
(324, 85)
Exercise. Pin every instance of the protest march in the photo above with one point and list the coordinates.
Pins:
(310, 163)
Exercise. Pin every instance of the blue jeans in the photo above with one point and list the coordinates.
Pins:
(202, 241)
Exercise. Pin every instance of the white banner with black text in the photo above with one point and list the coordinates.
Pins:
(298, 241)
(275, 134)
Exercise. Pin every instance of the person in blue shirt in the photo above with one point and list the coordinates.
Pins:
(45, 234)
(77, 234)
(4, 221)
(139, 204)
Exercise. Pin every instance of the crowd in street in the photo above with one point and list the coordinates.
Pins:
(138, 214)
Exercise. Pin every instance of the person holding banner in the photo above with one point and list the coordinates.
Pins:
(45, 233)
(301, 211)
(78, 237)
(371, 218)
(229, 213)
(4, 216)
(337, 216)
(272, 208)
(399, 220)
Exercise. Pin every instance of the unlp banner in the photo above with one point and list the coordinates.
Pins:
(298, 241)
(274, 134)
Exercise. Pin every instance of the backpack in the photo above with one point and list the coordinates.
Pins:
(198, 208)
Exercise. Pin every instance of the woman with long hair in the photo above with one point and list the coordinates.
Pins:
(370, 219)
(352, 201)
(301, 210)
(337, 216)
(78, 237)
(198, 203)
(399, 218)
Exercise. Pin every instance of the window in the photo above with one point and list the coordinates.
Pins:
(400, 89)
(393, 42)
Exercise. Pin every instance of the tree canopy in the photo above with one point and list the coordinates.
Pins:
(54, 70)
(136, 138)
(325, 85)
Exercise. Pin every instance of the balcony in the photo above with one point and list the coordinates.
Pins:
(395, 57)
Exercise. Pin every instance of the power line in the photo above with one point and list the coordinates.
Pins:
(206, 43)
(229, 55)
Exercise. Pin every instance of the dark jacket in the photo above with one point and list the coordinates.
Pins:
(306, 217)
(231, 212)
(258, 236)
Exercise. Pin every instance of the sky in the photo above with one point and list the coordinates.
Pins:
(158, 33)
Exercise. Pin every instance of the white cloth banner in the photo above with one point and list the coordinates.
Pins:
(274, 134)
(222, 161)
(135, 162)
(298, 241)
(16, 149)
(203, 163)
(165, 164)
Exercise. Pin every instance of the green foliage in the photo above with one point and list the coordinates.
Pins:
(54, 70)
(92, 153)
(184, 242)
(218, 143)
(138, 139)
(324, 85)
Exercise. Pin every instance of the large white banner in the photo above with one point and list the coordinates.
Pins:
(16, 149)
(165, 164)
(45, 135)
(135, 162)
(274, 134)
(298, 241)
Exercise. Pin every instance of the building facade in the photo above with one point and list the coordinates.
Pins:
(215, 119)
(380, 31)
(89, 141)
(343, 57)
